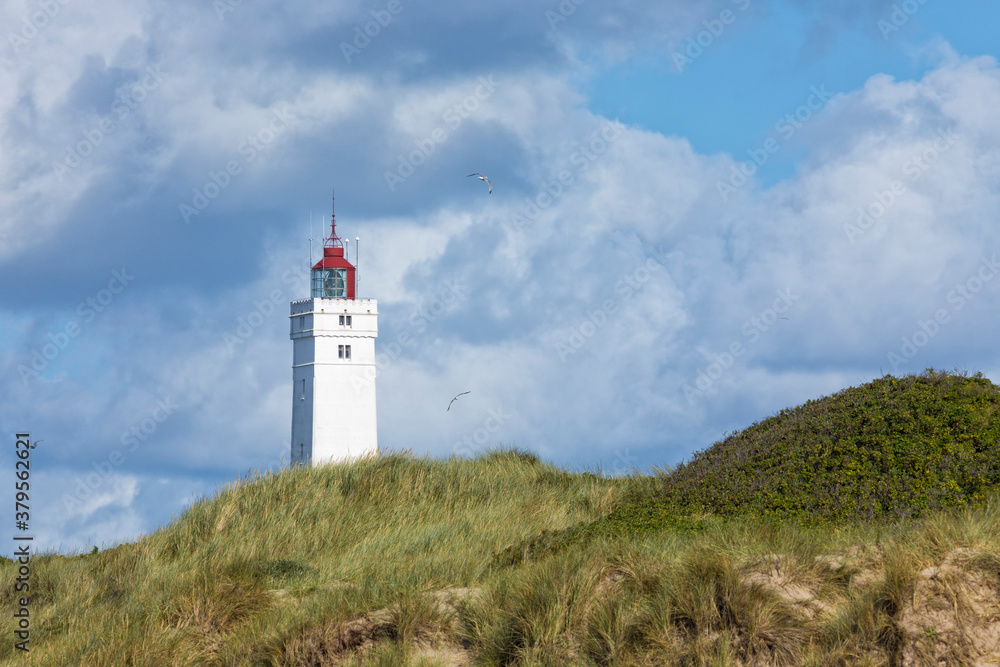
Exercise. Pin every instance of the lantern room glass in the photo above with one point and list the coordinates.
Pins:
(329, 283)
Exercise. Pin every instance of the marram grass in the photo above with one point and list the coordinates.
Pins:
(507, 560)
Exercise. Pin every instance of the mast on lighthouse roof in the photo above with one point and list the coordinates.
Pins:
(333, 277)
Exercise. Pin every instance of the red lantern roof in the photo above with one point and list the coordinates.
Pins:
(333, 258)
(333, 250)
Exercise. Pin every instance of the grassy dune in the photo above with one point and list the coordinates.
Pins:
(859, 529)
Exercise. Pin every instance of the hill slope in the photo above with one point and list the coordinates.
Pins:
(890, 449)
(288, 568)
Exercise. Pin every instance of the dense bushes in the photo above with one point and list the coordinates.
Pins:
(891, 449)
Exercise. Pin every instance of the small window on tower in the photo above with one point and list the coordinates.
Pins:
(302, 322)
(340, 351)
(341, 320)
(347, 351)
(348, 320)
(345, 320)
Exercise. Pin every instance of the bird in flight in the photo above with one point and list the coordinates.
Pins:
(456, 398)
(483, 178)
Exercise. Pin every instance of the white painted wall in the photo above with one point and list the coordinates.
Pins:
(333, 399)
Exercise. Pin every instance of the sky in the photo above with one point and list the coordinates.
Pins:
(702, 214)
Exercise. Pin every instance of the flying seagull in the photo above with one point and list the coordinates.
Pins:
(483, 178)
(456, 398)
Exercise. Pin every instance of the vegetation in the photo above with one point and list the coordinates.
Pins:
(892, 449)
(804, 540)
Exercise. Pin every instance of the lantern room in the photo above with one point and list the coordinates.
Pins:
(333, 277)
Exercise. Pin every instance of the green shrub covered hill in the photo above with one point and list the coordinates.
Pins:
(894, 448)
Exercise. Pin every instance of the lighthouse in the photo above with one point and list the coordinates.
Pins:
(333, 364)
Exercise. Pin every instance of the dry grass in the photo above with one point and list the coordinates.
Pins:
(392, 561)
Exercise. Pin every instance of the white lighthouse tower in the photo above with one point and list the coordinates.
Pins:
(333, 365)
